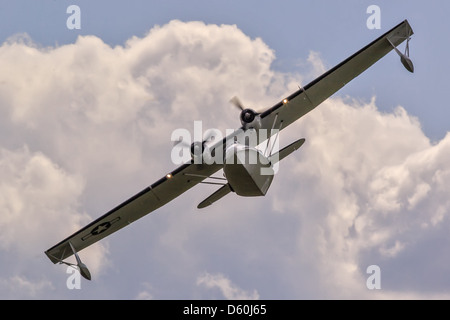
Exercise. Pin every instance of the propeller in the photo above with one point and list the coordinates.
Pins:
(235, 101)
(247, 115)
(197, 148)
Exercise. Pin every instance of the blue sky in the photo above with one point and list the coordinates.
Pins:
(80, 110)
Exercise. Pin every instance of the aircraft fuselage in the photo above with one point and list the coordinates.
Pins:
(247, 170)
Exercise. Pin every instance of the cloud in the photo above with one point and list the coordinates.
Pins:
(85, 126)
(229, 290)
(19, 287)
(32, 199)
(145, 294)
(371, 186)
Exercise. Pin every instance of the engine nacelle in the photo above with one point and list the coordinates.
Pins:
(200, 153)
(250, 119)
(197, 149)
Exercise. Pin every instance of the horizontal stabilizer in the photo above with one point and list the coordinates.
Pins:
(283, 153)
(223, 191)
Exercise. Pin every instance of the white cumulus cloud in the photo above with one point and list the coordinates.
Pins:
(229, 290)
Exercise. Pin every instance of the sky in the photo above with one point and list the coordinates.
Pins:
(86, 117)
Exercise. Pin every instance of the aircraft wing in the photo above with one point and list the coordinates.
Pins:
(151, 198)
(305, 99)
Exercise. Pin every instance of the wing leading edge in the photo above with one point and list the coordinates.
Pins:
(188, 175)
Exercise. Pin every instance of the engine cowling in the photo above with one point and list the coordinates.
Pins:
(202, 154)
(197, 149)
(250, 119)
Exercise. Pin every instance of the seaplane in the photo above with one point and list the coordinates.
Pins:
(247, 171)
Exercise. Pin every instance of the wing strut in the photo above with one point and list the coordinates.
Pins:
(268, 140)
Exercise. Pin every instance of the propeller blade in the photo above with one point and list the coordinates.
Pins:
(235, 100)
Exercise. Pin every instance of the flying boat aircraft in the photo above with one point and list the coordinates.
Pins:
(241, 176)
